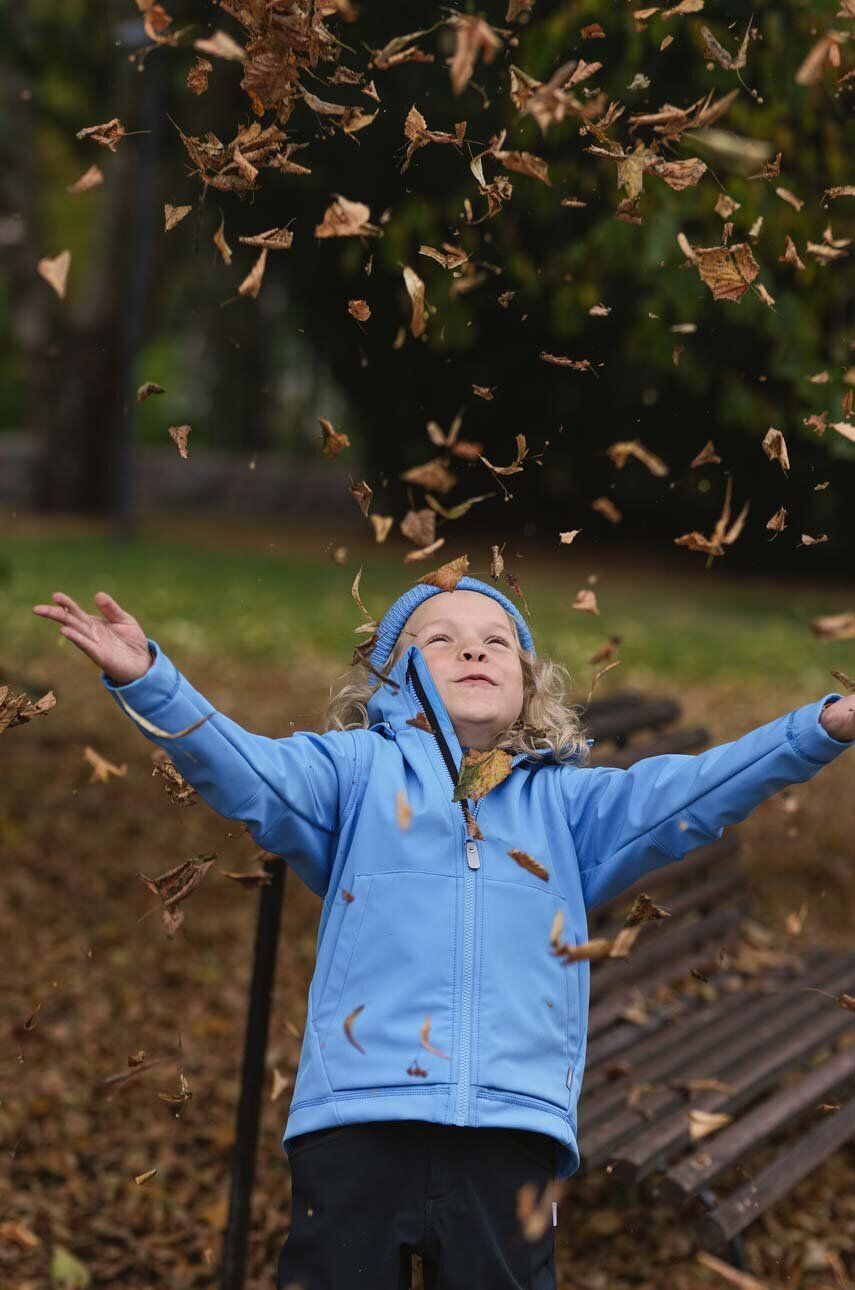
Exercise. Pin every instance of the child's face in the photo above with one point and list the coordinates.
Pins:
(461, 633)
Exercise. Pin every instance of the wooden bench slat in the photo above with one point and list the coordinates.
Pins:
(701, 936)
(749, 1131)
(686, 1041)
(752, 1075)
(660, 939)
(619, 723)
(728, 1060)
(686, 740)
(787, 1169)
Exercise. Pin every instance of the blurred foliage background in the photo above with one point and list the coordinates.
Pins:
(256, 374)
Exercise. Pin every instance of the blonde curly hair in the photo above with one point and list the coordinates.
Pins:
(547, 721)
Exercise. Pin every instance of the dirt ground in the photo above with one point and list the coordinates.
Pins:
(90, 979)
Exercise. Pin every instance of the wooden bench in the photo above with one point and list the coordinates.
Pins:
(650, 1023)
(703, 996)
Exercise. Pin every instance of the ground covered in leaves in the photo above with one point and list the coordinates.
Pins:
(92, 981)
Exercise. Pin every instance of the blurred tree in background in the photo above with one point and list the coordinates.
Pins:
(256, 373)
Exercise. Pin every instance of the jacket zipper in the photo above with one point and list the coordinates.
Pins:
(473, 863)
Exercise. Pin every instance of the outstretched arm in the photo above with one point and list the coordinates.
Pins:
(627, 822)
(293, 792)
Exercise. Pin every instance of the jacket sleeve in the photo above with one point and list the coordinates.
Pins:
(627, 822)
(292, 792)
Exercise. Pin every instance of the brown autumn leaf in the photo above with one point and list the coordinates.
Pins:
(431, 474)
(251, 881)
(362, 495)
(251, 284)
(605, 506)
(107, 135)
(21, 709)
(179, 436)
(419, 526)
(775, 448)
(90, 179)
(586, 601)
(791, 255)
(577, 364)
(419, 136)
(197, 77)
(834, 627)
(778, 521)
(730, 62)
(597, 677)
(484, 391)
(420, 722)
(221, 45)
(344, 218)
(359, 309)
(450, 257)
(845, 429)
(728, 271)
(621, 451)
(525, 861)
(567, 538)
(448, 575)
(424, 1036)
(382, 524)
(348, 1027)
(606, 651)
(55, 271)
(677, 174)
(101, 768)
(706, 456)
(807, 540)
(220, 242)
(332, 440)
(473, 37)
(516, 465)
(480, 772)
(702, 1123)
(148, 388)
(177, 788)
(455, 512)
(272, 239)
(416, 291)
(424, 552)
(176, 885)
(173, 215)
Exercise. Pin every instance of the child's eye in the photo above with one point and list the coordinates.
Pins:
(439, 637)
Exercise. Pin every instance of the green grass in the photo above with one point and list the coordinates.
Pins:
(277, 606)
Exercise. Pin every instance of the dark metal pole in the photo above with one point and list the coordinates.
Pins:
(252, 1077)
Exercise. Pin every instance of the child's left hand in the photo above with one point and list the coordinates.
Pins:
(838, 718)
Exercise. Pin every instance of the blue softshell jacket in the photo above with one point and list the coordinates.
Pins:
(426, 935)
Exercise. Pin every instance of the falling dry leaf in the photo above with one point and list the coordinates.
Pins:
(179, 436)
(332, 441)
(55, 271)
(90, 178)
(175, 886)
(101, 768)
(586, 601)
(525, 861)
(348, 1027)
(173, 215)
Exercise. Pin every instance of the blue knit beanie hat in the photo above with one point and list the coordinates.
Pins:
(393, 620)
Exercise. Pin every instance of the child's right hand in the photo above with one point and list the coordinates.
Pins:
(116, 642)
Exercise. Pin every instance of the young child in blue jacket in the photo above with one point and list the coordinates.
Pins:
(445, 1040)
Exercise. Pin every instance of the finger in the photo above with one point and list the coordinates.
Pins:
(84, 642)
(60, 614)
(111, 609)
(71, 607)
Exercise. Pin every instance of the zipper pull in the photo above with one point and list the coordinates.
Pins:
(472, 855)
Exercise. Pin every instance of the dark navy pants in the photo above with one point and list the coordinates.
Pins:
(366, 1197)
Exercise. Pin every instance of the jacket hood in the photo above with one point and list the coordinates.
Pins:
(397, 701)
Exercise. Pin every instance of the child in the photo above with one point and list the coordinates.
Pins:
(444, 1043)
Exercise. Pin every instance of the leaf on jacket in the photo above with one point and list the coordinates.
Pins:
(420, 722)
(424, 1034)
(448, 575)
(415, 1069)
(525, 861)
(403, 810)
(472, 824)
(348, 1027)
(480, 771)
(176, 885)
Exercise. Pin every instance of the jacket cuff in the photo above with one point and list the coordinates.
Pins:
(151, 691)
(809, 738)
